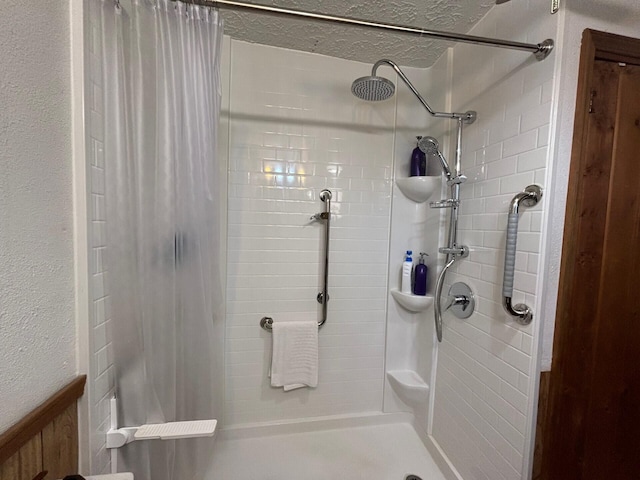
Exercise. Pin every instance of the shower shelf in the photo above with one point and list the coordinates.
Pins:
(408, 385)
(419, 189)
(413, 303)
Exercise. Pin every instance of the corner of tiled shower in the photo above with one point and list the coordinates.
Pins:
(301, 131)
(486, 365)
(101, 374)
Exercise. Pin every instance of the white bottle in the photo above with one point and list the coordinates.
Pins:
(407, 268)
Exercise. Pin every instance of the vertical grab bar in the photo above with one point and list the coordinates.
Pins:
(323, 297)
(530, 197)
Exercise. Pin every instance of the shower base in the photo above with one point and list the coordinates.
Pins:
(378, 447)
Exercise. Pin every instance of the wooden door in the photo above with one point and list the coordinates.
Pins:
(592, 425)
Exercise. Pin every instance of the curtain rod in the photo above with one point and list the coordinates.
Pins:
(540, 50)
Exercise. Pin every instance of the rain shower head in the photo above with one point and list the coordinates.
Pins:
(373, 88)
(430, 146)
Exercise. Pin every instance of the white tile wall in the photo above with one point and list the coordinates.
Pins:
(101, 379)
(295, 129)
(484, 364)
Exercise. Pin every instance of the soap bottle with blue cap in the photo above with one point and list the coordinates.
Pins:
(407, 270)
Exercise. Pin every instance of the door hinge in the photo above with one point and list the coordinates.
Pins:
(592, 96)
(555, 6)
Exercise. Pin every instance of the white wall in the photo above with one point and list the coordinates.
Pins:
(37, 325)
(486, 364)
(621, 17)
(296, 129)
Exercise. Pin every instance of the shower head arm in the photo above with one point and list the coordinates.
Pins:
(468, 117)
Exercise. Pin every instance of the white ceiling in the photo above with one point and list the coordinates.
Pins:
(355, 43)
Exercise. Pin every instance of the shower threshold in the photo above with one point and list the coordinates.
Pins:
(376, 447)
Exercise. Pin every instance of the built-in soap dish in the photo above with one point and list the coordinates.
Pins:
(408, 385)
(413, 303)
(419, 189)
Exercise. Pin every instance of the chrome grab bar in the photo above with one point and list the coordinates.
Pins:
(322, 297)
(530, 197)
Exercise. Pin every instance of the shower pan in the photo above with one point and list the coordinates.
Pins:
(374, 88)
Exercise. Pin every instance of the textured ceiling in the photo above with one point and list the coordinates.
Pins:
(355, 43)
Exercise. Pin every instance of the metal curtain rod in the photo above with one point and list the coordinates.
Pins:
(540, 50)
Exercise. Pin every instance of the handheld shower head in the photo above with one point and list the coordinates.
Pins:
(373, 88)
(430, 146)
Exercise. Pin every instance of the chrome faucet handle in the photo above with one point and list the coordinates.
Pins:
(460, 300)
(453, 300)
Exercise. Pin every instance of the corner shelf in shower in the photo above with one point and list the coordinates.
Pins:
(419, 189)
(413, 303)
(408, 385)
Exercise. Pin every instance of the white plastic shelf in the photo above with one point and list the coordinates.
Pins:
(408, 385)
(411, 302)
(419, 189)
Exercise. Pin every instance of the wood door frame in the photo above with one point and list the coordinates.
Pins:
(596, 45)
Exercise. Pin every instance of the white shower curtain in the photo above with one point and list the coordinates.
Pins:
(162, 93)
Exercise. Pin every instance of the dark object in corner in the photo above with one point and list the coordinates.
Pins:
(74, 477)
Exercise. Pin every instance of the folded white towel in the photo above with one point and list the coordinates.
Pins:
(294, 362)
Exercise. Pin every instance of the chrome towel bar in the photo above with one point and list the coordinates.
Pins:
(323, 296)
(530, 197)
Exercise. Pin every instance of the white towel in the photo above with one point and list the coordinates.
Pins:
(294, 362)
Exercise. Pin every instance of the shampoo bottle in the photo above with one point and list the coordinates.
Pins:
(420, 281)
(418, 162)
(407, 267)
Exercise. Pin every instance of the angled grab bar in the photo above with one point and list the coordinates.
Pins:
(528, 198)
(323, 297)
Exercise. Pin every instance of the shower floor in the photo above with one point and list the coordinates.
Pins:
(376, 452)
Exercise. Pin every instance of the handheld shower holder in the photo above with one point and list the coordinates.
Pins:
(461, 251)
(457, 180)
(447, 203)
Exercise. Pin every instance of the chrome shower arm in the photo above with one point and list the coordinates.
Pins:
(468, 117)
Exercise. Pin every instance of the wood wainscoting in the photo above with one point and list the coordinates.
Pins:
(44, 444)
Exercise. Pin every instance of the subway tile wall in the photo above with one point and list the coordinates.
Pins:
(101, 381)
(485, 363)
(295, 129)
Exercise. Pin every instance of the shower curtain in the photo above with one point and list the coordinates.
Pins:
(161, 89)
